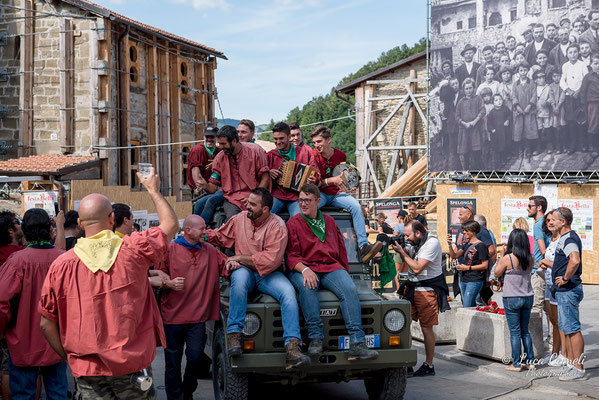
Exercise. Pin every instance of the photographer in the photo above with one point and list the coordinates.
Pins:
(426, 288)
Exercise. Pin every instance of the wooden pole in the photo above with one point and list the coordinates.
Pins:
(175, 124)
(66, 65)
(163, 125)
(151, 92)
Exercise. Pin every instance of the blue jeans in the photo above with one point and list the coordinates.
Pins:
(292, 207)
(193, 337)
(340, 283)
(568, 317)
(344, 200)
(517, 313)
(470, 291)
(206, 206)
(244, 281)
(23, 381)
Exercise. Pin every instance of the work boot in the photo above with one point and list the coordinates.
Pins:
(368, 251)
(315, 348)
(359, 351)
(234, 344)
(295, 358)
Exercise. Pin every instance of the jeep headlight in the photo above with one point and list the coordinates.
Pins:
(251, 325)
(394, 320)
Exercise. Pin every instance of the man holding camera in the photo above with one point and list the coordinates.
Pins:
(426, 288)
(98, 309)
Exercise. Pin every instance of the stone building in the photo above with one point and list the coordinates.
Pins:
(390, 127)
(78, 79)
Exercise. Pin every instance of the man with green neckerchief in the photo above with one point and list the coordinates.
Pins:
(317, 257)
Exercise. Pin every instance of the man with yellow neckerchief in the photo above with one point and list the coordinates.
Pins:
(98, 310)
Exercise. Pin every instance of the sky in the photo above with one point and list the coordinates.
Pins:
(281, 53)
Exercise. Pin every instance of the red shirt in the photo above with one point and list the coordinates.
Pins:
(304, 247)
(199, 301)
(241, 174)
(265, 242)
(109, 321)
(6, 251)
(21, 280)
(326, 168)
(302, 155)
(199, 157)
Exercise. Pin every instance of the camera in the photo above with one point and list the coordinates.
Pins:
(399, 239)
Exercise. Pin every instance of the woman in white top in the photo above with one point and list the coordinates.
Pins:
(550, 229)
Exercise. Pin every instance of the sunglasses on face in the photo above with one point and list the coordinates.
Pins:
(531, 206)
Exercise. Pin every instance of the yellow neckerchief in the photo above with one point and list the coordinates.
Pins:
(119, 234)
(99, 252)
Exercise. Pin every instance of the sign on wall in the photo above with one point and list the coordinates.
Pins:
(389, 207)
(453, 211)
(512, 209)
(40, 199)
(583, 220)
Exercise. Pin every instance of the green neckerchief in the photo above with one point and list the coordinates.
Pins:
(252, 140)
(39, 243)
(317, 225)
(289, 154)
(210, 151)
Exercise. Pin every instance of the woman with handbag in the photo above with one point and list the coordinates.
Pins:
(517, 297)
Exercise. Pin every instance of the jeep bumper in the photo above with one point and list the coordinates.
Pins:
(330, 362)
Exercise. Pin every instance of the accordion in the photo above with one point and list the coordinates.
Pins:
(295, 175)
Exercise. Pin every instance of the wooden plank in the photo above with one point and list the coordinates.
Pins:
(106, 132)
(124, 105)
(163, 122)
(26, 81)
(94, 119)
(212, 88)
(67, 100)
(151, 92)
(421, 95)
(199, 114)
(368, 92)
(398, 147)
(175, 125)
(391, 81)
(412, 119)
(409, 182)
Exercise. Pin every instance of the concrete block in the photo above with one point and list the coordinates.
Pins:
(445, 331)
(487, 334)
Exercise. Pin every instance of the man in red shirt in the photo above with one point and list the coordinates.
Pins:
(21, 279)
(333, 189)
(238, 169)
(260, 238)
(296, 136)
(199, 169)
(188, 301)
(317, 257)
(286, 199)
(245, 130)
(98, 309)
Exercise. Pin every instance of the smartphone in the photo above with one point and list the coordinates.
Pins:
(56, 210)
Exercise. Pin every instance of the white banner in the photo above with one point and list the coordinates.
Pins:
(512, 209)
(40, 199)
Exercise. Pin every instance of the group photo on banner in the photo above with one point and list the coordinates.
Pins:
(514, 86)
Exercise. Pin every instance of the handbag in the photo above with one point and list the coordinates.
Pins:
(496, 284)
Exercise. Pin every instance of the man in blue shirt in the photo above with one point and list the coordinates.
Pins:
(567, 268)
(537, 206)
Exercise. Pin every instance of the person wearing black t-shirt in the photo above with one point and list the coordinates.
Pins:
(383, 227)
(474, 267)
(413, 211)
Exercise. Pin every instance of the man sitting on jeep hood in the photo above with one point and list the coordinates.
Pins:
(317, 256)
(259, 238)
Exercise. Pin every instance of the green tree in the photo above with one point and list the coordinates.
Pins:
(328, 107)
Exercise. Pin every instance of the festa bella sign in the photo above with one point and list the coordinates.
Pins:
(40, 199)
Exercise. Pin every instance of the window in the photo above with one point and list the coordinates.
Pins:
(495, 19)
(471, 22)
(349, 237)
(560, 3)
(459, 25)
(594, 4)
(184, 79)
(513, 14)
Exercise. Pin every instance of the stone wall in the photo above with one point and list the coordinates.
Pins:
(9, 90)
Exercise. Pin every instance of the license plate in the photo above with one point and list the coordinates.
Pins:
(372, 341)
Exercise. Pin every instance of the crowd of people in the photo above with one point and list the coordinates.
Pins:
(539, 93)
(57, 272)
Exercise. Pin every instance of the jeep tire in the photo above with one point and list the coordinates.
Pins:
(227, 384)
(387, 384)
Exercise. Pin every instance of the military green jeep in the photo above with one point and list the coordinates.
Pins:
(385, 322)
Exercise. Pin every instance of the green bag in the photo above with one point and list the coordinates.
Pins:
(386, 268)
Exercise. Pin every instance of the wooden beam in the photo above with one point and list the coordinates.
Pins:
(199, 114)
(107, 135)
(412, 118)
(163, 120)
(391, 81)
(67, 98)
(94, 118)
(151, 94)
(368, 92)
(211, 87)
(26, 81)
(175, 124)
(124, 105)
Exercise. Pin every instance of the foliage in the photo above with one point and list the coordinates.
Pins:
(329, 106)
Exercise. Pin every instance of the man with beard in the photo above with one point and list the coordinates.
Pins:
(333, 190)
(21, 279)
(190, 299)
(286, 199)
(259, 238)
(295, 136)
(426, 288)
(469, 68)
(591, 35)
(199, 169)
(539, 42)
(317, 257)
(238, 169)
(558, 55)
